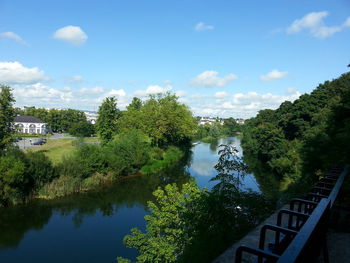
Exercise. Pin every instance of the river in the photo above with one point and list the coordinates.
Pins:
(89, 227)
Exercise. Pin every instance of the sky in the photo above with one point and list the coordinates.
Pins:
(221, 58)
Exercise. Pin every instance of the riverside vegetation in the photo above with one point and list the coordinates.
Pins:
(299, 141)
(294, 143)
(146, 138)
(190, 224)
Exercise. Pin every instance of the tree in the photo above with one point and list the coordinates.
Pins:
(194, 225)
(136, 104)
(82, 129)
(166, 236)
(162, 118)
(166, 121)
(7, 114)
(231, 125)
(108, 115)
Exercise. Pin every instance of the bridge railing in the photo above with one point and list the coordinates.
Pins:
(300, 232)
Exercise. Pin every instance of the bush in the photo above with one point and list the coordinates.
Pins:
(40, 168)
(156, 164)
(127, 153)
(22, 174)
(82, 129)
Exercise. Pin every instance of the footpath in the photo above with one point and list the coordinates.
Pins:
(338, 233)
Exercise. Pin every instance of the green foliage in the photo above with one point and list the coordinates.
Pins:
(210, 132)
(7, 115)
(127, 153)
(161, 160)
(166, 235)
(57, 120)
(162, 118)
(108, 114)
(193, 225)
(22, 174)
(82, 129)
(231, 126)
(303, 137)
(40, 169)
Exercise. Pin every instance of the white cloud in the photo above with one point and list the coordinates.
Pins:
(72, 34)
(242, 105)
(180, 93)
(13, 36)
(40, 93)
(15, 72)
(203, 27)
(210, 78)
(116, 93)
(95, 90)
(153, 89)
(221, 95)
(313, 22)
(75, 79)
(347, 22)
(273, 75)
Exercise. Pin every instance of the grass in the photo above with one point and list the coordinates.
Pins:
(55, 150)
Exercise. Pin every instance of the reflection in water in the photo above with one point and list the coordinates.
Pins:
(89, 227)
(213, 146)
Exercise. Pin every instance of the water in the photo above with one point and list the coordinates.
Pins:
(90, 227)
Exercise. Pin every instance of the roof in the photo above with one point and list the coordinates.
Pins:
(30, 119)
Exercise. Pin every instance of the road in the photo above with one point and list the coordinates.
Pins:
(25, 142)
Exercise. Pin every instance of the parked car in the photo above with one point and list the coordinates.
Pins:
(38, 142)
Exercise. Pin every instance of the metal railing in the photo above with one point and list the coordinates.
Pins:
(300, 231)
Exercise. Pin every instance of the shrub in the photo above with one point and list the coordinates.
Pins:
(127, 153)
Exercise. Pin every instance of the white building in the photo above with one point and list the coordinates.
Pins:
(91, 117)
(240, 121)
(29, 124)
(209, 120)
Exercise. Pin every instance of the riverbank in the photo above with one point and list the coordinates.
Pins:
(66, 185)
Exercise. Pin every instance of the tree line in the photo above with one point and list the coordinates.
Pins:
(299, 140)
(61, 120)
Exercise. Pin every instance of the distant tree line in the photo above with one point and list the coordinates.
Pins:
(211, 132)
(161, 117)
(65, 120)
(299, 140)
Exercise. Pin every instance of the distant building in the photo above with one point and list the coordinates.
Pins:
(240, 121)
(91, 117)
(29, 124)
(209, 120)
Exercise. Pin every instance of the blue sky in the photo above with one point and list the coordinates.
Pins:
(222, 58)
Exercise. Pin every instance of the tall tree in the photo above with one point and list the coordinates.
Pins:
(136, 104)
(7, 114)
(108, 114)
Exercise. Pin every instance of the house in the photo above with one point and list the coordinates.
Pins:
(209, 120)
(240, 121)
(29, 124)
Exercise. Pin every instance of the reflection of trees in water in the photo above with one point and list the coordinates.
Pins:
(15, 221)
(214, 146)
(268, 183)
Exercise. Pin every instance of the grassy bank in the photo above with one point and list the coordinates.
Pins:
(84, 166)
(57, 149)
